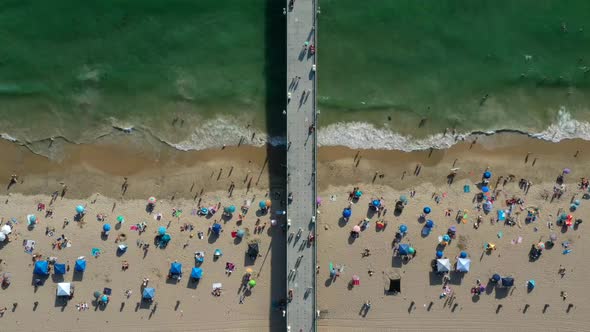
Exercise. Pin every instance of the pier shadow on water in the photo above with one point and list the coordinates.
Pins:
(275, 72)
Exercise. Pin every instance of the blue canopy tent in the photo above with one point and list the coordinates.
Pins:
(507, 282)
(59, 269)
(216, 228)
(404, 249)
(80, 265)
(175, 268)
(346, 213)
(41, 268)
(148, 293)
(197, 273)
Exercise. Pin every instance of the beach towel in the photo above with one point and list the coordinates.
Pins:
(216, 285)
(466, 189)
(134, 228)
(29, 246)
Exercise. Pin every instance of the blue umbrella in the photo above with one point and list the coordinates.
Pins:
(439, 254)
(446, 238)
(262, 204)
(230, 209)
(463, 254)
(404, 249)
(485, 189)
(404, 199)
(161, 230)
(175, 268)
(347, 213)
(403, 228)
(166, 238)
(59, 269)
(376, 203)
(106, 227)
(358, 194)
(148, 293)
(32, 218)
(197, 273)
(240, 233)
(496, 277)
(41, 268)
(80, 265)
(531, 284)
(80, 209)
(105, 298)
(427, 209)
(429, 223)
(216, 228)
(204, 210)
(487, 174)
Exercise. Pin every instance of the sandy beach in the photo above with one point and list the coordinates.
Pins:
(187, 180)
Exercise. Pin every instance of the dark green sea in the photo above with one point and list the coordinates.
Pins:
(202, 73)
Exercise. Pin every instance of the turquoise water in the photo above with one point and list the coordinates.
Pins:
(75, 69)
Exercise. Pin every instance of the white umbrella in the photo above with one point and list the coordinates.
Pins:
(443, 265)
(63, 289)
(463, 264)
(6, 229)
(2, 237)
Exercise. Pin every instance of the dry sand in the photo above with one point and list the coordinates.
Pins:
(91, 169)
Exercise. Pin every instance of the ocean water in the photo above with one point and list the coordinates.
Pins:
(198, 74)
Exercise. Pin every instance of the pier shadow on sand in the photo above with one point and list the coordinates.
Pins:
(275, 72)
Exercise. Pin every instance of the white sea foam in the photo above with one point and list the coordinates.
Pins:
(566, 127)
(7, 137)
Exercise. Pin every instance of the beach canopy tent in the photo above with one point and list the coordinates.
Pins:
(148, 293)
(63, 289)
(197, 273)
(403, 249)
(253, 250)
(41, 268)
(443, 265)
(59, 269)
(80, 265)
(175, 268)
(463, 264)
(395, 285)
(507, 281)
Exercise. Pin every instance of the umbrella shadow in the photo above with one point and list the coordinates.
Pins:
(501, 292)
(192, 283)
(78, 275)
(57, 278)
(435, 278)
(396, 261)
(342, 222)
(212, 237)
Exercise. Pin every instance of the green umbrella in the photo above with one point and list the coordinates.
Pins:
(166, 237)
(120, 219)
(252, 283)
(97, 294)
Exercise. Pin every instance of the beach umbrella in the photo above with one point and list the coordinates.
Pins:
(553, 237)
(175, 268)
(63, 289)
(104, 299)
(166, 238)
(411, 251)
(541, 245)
(218, 252)
(106, 227)
(403, 249)
(80, 209)
(268, 203)
(197, 273)
(252, 283)
(376, 203)
(429, 223)
(463, 254)
(439, 254)
(446, 238)
(148, 293)
(161, 230)
(6, 229)
(346, 213)
(97, 294)
(32, 219)
(59, 269)
(443, 265)
(403, 199)
(358, 194)
(567, 171)
(496, 277)
(2, 237)
(204, 210)
(318, 201)
(577, 202)
(356, 228)
(487, 174)
(463, 264)
(427, 210)
(531, 284)
(485, 189)
(216, 228)
(80, 265)
(403, 228)
(152, 200)
(120, 219)
(230, 209)
(240, 233)
(41, 268)
(262, 205)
